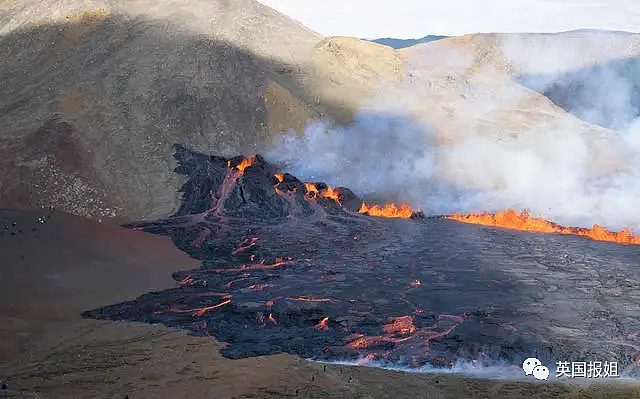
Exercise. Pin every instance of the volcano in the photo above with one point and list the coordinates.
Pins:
(307, 269)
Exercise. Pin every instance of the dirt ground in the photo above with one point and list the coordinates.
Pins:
(51, 272)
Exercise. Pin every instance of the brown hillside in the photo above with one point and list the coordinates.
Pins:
(93, 98)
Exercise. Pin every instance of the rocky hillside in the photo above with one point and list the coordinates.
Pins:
(480, 86)
(93, 97)
(592, 74)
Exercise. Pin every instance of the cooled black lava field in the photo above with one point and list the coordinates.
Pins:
(285, 269)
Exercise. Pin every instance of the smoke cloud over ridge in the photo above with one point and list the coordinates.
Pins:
(446, 140)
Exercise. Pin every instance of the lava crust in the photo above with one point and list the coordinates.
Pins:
(298, 268)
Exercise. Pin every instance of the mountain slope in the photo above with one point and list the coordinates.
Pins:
(93, 98)
(591, 74)
(538, 53)
(469, 85)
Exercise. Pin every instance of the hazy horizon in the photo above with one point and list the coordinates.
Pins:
(412, 19)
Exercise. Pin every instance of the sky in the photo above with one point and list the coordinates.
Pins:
(417, 18)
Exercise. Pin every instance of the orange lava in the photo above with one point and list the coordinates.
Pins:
(323, 324)
(328, 192)
(368, 342)
(245, 163)
(331, 193)
(311, 189)
(257, 266)
(306, 299)
(402, 329)
(371, 357)
(389, 210)
(199, 311)
(400, 325)
(259, 287)
(188, 280)
(510, 219)
(244, 245)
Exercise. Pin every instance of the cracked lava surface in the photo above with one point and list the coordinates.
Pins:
(302, 268)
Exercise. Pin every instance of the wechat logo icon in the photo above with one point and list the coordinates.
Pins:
(533, 366)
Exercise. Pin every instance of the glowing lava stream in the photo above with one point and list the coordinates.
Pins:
(322, 324)
(404, 327)
(198, 311)
(307, 299)
(328, 192)
(244, 164)
(256, 266)
(389, 210)
(510, 219)
(217, 200)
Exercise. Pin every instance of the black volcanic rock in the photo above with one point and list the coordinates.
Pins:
(348, 199)
(286, 272)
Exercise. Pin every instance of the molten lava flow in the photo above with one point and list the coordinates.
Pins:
(258, 266)
(231, 283)
(206, 294)
(371, 342)
(245, 163)
(371, 357)
(201, 311)
(329, 192)
(323, 324)
(244, 245)
(218, 198)
(510, 219)
(259, 287)
(312, 191)
(198, 311)
(400, 325)
(306, 299)
(404, 327)
(389, 210)
(188, 280)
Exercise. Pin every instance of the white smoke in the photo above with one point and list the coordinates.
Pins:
(449, 140)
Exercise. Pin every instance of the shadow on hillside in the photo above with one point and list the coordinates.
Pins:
(123, 90)
(606, 94)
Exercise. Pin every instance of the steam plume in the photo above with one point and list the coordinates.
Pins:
(441, 141)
